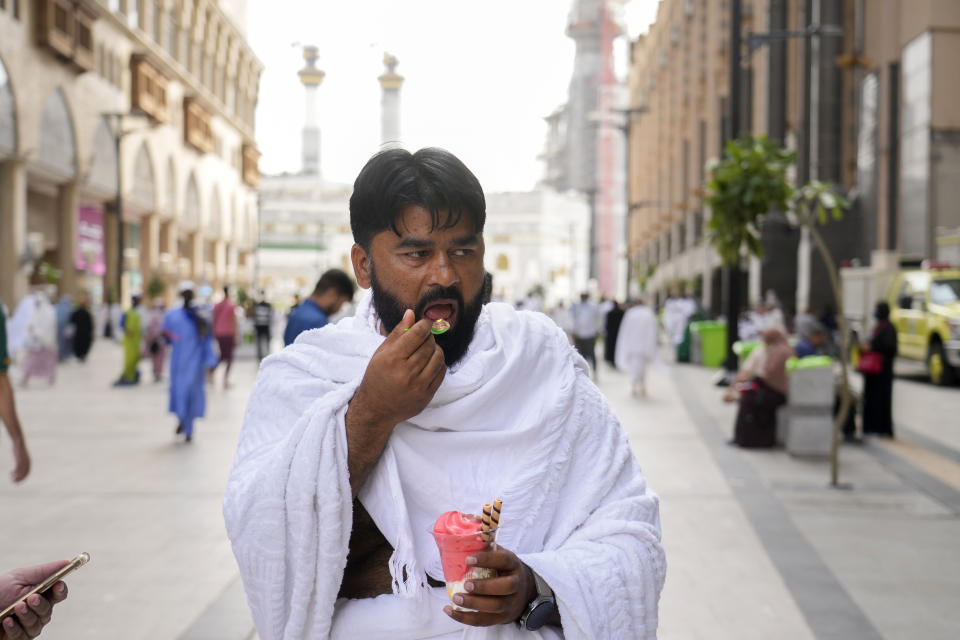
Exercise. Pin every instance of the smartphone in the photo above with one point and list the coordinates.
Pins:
(74, 564)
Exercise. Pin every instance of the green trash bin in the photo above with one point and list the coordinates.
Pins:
(809, 362)
(710, 342)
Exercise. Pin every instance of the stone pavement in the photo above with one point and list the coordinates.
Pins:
(758, 545)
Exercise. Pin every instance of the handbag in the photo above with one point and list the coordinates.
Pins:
(870, 363)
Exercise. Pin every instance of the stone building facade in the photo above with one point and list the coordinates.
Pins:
(177, 82)
(842, 99)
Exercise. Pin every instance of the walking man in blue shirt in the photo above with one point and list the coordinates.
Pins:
(333, 289)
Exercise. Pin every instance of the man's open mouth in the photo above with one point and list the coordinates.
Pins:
(443, 309)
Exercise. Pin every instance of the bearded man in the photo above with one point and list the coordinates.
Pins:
(360, 434)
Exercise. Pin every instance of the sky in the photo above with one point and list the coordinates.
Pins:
(480, 77)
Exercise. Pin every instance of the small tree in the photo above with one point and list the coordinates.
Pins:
(748, 183)
(155, 287)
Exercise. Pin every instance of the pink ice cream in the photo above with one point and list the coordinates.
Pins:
(458, 536)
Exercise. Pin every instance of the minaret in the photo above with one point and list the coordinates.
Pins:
(390, 83)
(311, 77)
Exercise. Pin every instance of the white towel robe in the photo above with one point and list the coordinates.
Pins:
(517, 418)
(637, 342)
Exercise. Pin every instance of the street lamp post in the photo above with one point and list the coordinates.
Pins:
(116, 128)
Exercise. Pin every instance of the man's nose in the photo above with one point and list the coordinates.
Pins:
(442, 273)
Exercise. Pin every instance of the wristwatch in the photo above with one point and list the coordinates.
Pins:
(541, 608)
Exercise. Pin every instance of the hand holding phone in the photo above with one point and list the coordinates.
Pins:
(31, 593)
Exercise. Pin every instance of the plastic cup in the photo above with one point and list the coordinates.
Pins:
(454, 550)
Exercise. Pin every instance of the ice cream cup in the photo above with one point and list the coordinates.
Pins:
(454, 550)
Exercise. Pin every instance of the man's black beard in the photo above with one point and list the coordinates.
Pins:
(454, 342)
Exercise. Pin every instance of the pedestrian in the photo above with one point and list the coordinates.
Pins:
(878, 379)
(334, 288)
(132, 327)
(379, 412)
(812, 340)
(756, 422)
(611, 330)
(81, 328)
(8, 411)
(28, 621)
(40, 340)
(191, 356)
(63, 310)
(225, 331)
(262, 322)
(154, 344)
(585, 316)
(637, 345)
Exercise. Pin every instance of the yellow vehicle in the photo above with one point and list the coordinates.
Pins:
(925, 309)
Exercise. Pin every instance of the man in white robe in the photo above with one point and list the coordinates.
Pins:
(637, 345)
(360, 434)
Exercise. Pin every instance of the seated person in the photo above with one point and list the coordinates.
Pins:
(757, 416)
(812, 342)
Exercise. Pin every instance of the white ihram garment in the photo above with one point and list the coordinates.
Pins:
(517, 418)
(637, 342)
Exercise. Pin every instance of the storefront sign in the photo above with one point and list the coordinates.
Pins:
(90, 256)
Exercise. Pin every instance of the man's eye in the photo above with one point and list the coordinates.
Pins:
(416, 254)
(462, 253)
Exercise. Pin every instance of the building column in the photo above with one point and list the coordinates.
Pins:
(67, 240)
(13, 231)
(195, 247)
(219, 263)
(149, 247)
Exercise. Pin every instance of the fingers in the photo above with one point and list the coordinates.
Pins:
(419, 359)
(57, 593)
(499, 586)
(12, 630)
(41, 607)
(502, 560)
(28, 620)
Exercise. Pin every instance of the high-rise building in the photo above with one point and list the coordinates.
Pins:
(863, 91)
(585, 146)
(149, 101)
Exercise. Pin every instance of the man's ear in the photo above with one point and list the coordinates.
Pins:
(361, 266)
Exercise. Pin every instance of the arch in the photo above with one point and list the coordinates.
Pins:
(143, 189)
(103, 170)
(8, 114)
(58, 145)
(191, 205)
(170, 199)
(215, 219)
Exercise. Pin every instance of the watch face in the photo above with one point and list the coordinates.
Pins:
(540, 615)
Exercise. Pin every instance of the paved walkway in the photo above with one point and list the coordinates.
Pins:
(758, 545)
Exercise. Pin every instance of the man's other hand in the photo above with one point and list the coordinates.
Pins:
(30, 617)
(21, 459)
(403, 373)
(500, 600)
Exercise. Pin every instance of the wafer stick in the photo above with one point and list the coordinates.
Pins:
(495, 513)
(486, 523)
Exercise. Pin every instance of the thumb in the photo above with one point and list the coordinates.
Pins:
(407, 321)
(40, 572)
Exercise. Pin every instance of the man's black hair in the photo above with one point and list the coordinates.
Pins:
(335, 279)
(432, 178)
